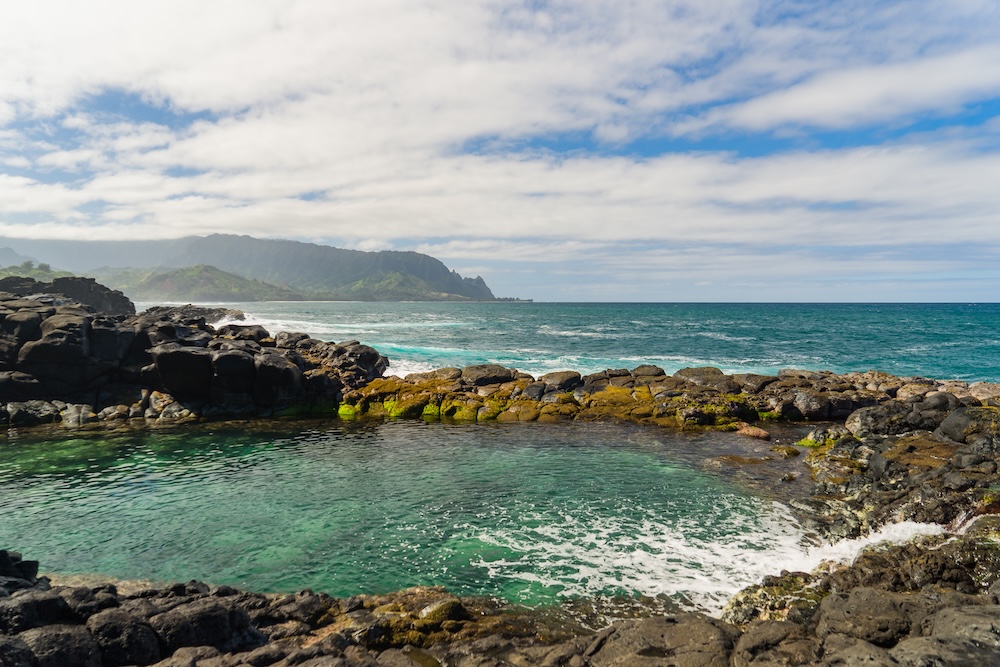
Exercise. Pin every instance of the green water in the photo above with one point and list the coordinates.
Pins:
(532, 514)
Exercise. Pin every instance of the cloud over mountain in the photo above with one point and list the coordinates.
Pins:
(785, 141)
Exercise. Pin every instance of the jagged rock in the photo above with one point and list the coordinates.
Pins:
(934, 650)
(438, 374)
(12, 564)
(190, 313)
(81, 290)
(895, 417)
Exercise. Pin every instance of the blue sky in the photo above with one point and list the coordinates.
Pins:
(631, 150)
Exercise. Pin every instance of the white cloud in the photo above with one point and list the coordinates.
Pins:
(347, 121)
(842, 99)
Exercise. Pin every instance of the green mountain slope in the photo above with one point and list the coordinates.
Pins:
(193, 283)
(315, 271)
(330, 272)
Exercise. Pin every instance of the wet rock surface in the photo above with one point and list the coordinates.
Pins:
(63, 362)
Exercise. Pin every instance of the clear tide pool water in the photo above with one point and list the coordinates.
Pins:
(532, 514)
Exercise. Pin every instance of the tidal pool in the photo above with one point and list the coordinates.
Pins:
(534, 514)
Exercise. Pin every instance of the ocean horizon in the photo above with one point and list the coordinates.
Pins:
(955, 341)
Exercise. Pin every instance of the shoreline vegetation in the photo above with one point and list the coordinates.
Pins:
(883, 449)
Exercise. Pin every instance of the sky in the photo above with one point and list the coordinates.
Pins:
(584, 150)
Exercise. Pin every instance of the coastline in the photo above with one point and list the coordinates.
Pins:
(885, 449)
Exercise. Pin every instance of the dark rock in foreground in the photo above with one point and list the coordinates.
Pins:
(931, 602)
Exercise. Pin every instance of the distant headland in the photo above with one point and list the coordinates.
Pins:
(225, 267)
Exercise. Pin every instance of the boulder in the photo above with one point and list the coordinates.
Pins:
(753, 383)
(964, 424)
(880, 617)
(23, 325)
(253, 332)
(124, 639)
(561, 380)
(895, 417)
(16, 385)
(359, 363)
(233, 370)
(31, 609)
(277, 380)
(448, 373)
(485, 374)
(61, 358)
(184, 372)
(12, 564)
(31, 413)
(85, 602)
(63, 646)
(683, 640)
(109, 340)
(13, 651)
(289, 340)
(775, 643)
(703, 375)
(170, 332)
(813, 405)
(219, 623)
(925, 651)
(709, 376)
(534, 391)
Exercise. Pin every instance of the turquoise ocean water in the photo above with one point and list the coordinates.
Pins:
(946, 341)
(536, 514)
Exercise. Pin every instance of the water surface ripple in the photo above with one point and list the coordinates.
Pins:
(944, 341)
(532, 514)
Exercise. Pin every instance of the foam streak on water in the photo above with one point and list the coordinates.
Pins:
(945, 341)
(534, 514)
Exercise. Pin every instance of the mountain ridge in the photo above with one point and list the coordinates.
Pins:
(311, 270)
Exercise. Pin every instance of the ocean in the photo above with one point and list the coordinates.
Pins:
(943, 341)
(534, 514)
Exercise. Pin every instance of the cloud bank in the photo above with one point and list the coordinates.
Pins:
(631, 150)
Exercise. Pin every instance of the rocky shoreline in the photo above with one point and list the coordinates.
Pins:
(885, 449)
